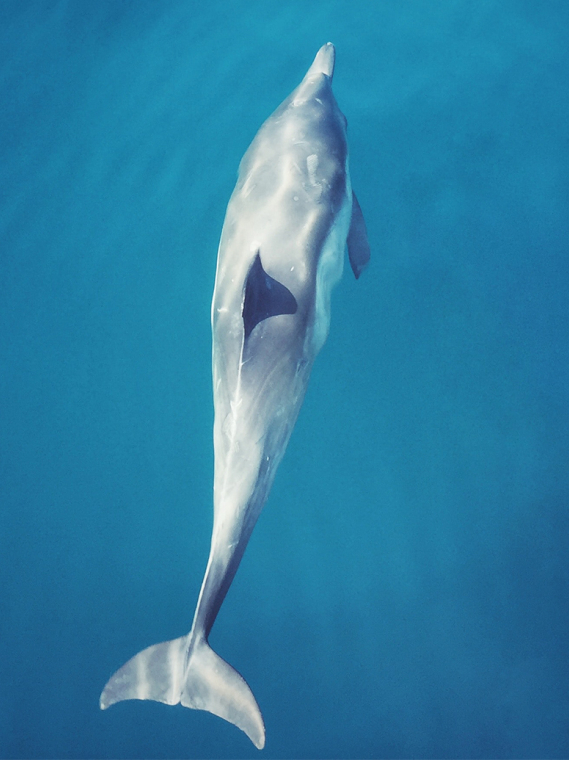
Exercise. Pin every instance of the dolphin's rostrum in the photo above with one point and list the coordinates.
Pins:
(287, 225)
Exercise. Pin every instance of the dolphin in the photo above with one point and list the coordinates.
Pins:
(287, 225)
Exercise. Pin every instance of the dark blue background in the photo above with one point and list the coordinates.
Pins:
(406, 590)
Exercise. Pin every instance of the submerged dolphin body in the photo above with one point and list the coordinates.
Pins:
(288, 222)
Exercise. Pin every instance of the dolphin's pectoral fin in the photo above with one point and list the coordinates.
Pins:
(264, 297)
(358, 245)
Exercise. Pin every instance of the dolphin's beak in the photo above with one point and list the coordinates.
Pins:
(324, 62)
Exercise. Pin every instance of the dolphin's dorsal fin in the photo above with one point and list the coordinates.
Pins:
(264, 297)
(358, 245)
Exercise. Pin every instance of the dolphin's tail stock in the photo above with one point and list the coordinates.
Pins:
(203, 682)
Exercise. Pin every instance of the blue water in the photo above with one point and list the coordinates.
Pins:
(405, 593)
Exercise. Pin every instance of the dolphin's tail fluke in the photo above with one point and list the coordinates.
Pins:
(212, 684)
(205, 682)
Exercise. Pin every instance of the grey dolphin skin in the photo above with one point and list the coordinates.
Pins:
(287, 225)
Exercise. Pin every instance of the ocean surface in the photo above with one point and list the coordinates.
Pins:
(406, 590)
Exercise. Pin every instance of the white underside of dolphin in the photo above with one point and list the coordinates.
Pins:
(287, 225)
